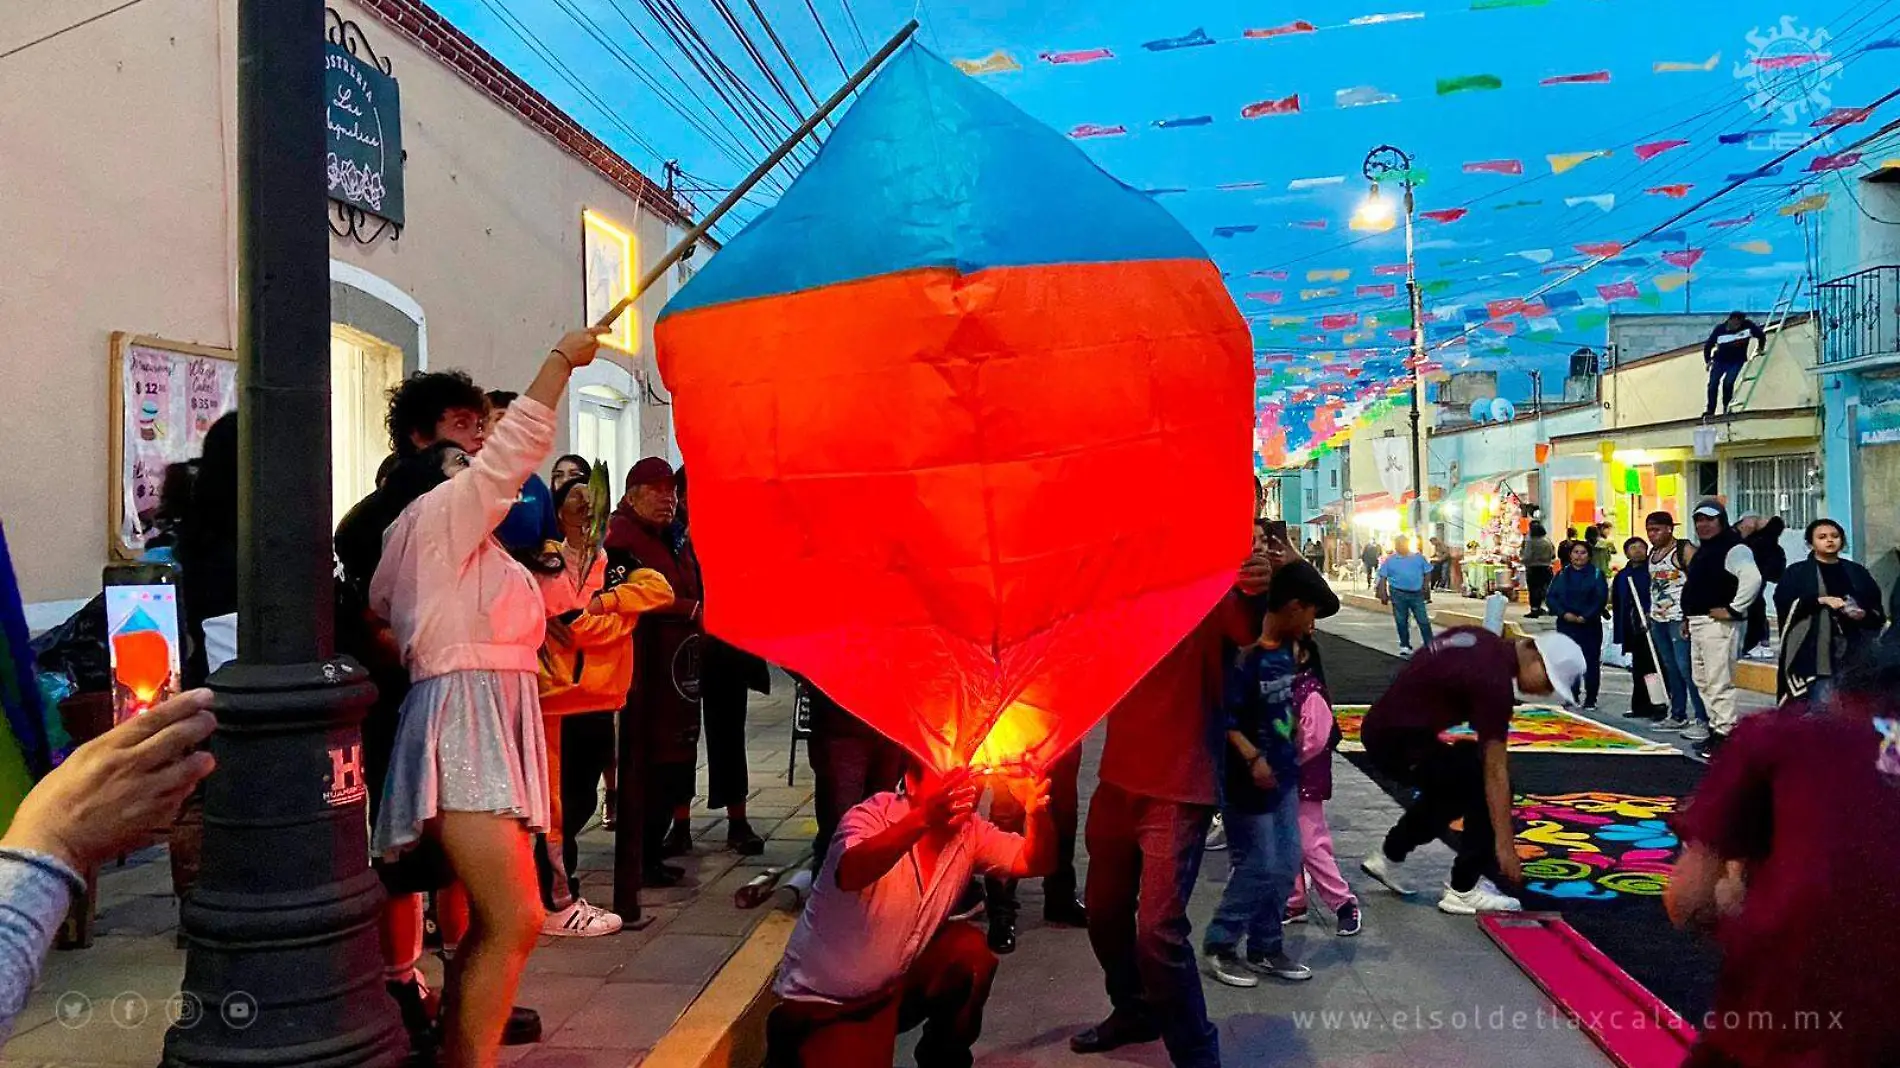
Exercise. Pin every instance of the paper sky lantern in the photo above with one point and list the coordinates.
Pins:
(969, 424)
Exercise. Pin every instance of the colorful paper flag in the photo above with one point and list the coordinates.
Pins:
(1445, 215)
(997, 62)
(1674, 192)
(1376, 20)
(1342, 321)
(1190, 120)
(1668, 67)
(1600, 249)
(1839, 162)
(1275, 274)
(1468, 83)
(1196, 39)
(1605, 201)
(1506, 327)
(1839, 117)
(1498, 309)
(1669, 283)
(1309, 224)
(1380, 289)
(1289, 29)
(1319, 294)
(1089, 129)
(1757, 247)
(1232, 231)
(1656, 148)
(1729, 224)
(1684, 258)
(1286, 105)
(1805, 205)
(1595, 77)
(1563, 298)
(1287, 320)
(1619, 291)
(1338, 274)
(1791, 61)
(1266, 296)
(1299, 184)
(1388, 270)
(1566, 161)
(1360, 96)
(1495, 166)
(1536, 255)
(1087, 55)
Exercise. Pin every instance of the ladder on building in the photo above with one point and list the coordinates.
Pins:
(1777, 318)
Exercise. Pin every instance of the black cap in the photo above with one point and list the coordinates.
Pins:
(1662, 519)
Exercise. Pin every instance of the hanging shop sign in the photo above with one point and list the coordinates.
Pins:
(1879, 420)
(363, 123)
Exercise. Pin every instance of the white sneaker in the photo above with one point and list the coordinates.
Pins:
(1484, 897)
(1227, 968)
(1387, 872)
(580, 920)
(1695, 732)
(1216, 835)
(1405, 652)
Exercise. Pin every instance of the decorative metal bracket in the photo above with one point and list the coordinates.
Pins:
(347, 35)
(348, 220)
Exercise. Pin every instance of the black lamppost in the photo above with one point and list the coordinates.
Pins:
(1378, 213)
(283, 966)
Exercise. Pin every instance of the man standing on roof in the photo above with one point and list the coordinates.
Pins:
(1726, 353)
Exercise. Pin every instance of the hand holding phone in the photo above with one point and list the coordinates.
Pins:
(142, 628)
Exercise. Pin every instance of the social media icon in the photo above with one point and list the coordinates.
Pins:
(239, 1010)
(185, 1011)
(73, 1010)
(130, 1010)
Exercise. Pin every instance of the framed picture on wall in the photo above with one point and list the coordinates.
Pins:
(607, 270)
(164, 397)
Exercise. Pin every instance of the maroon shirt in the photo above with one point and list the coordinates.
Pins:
(1798, 799)
(1464, 675)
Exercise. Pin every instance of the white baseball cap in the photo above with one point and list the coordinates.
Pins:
(1564, 662)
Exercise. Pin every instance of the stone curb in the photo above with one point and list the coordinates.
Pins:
(724, 1027)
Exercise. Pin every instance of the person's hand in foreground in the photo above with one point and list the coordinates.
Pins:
(1255, 575)
(118, 790)
(951, 802)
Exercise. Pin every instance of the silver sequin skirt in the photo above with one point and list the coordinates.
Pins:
(468, 741)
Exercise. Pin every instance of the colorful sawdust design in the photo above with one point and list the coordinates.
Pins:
(1595, 846)
(1534, 728)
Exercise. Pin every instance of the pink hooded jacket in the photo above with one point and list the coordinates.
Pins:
(454, 598)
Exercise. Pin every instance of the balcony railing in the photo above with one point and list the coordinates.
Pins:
(1860, 315)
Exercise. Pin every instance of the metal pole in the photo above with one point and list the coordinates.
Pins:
(765, 167)
(283, 966)
(1415, 299)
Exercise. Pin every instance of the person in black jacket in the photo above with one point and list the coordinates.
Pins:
(1629, 628)
(1723, 584)
(1829, 609)
(1763, 538)
(1725, 353)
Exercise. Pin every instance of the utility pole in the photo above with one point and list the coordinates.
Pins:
(283, 966)
(1381, 163)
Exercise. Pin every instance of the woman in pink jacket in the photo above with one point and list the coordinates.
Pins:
(469, 766)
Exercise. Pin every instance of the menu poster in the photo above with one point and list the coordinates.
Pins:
(167, 397)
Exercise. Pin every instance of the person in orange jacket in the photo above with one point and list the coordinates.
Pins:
(586, 671)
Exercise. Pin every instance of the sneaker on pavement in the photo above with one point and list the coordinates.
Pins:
(1387, 872)
(1225, 966)
(1484, 897)
(580, 920)
(1114, 1033)
(1672, 724)
(1279, 966)
(1590, 707)
(1293, 915)
(1349, 922)
(1713, 745)
(1405, 652)
(1695, 732)
(1216, 835)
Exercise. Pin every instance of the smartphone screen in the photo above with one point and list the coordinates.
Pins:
(142, 628)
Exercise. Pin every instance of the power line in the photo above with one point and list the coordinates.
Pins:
(64, 30)
(758, 57)
(826, 34)
(787, 56)
(856, 30)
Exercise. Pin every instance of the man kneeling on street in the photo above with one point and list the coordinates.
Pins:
(872, 956)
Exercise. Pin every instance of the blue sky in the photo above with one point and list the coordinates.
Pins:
(1169, 114)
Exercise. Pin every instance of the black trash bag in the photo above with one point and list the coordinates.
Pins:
(78, 648)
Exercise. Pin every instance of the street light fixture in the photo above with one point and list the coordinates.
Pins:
(1378, 214)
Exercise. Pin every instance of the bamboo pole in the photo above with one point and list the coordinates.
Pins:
(712, 218)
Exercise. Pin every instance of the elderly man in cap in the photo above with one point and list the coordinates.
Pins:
(1466, 677)
(664, 705)
(1723, 584)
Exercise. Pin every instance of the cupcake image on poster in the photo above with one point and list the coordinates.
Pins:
(148, 421)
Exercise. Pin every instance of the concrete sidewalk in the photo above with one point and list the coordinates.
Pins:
(603, 1001)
